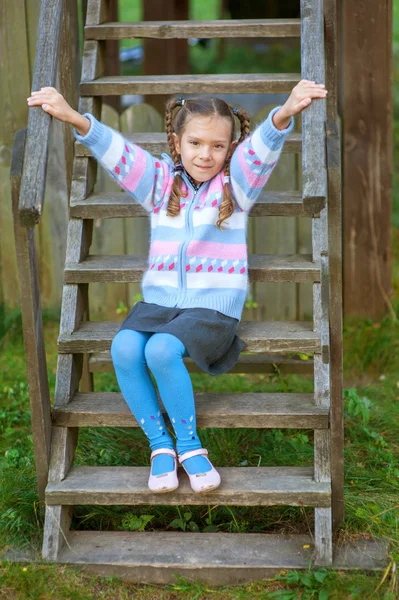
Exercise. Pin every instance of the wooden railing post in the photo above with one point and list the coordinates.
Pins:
(32, 323)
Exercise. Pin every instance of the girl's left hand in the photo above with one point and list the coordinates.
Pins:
(302, 95)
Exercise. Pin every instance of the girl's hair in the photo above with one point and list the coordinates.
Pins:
(205, 107)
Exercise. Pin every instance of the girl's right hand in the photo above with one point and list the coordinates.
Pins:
(52, 102)
(55, 105)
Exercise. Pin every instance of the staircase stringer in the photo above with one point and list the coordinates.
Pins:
(322, 438)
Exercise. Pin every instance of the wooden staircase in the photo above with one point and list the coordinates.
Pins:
(84, 345)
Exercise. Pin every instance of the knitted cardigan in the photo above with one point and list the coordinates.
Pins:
(192, 263)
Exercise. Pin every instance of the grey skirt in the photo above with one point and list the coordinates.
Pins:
(208, 335)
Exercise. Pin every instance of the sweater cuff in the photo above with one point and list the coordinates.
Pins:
(271, 131)
(94, 134)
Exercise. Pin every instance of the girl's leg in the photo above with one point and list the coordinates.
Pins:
(164, 354)
(134, 380)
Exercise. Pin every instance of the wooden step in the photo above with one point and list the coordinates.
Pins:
(101, 362)
(298, 268)
(156, 143)
(233, 28)
(259, 336)
(241, 486)
(152, 557)
(257, 410)
(253, 83)
(110, 205)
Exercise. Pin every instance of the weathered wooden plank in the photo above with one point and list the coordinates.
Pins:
(96, 11)
(276, 299)
(69, 371)
(367, 109)
(69, 77)
(272, 336)
(145, 118)
(109, 409)
(249, 486)
(222, 559)
(34, 175)
(109, 237)
(83, 179)
(336, 366)
(32, 325)
(256, 83)
(314, 116)
(322, 445)
(156, 144)
(121, 204)
(331, 19)
(247, 363)
(14, 58)
(239, 28)
(58, 518)
(121, 269)
(93, 66)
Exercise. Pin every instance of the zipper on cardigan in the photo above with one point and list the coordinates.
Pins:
(182, 266)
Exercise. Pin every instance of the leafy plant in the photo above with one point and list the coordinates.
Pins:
(184, 522)
(358, 405)
(309, 585)
(133, 522)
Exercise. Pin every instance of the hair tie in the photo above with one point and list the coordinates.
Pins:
(180, 101)
(177, 168)
(235, 110)
(226, 179)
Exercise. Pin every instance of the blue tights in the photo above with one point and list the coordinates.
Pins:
(133, 353)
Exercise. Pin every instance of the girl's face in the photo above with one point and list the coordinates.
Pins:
(204, 145)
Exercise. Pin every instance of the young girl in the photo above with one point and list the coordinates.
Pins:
(196, 283)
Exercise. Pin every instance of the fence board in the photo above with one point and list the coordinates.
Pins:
(276, 235)
(14, 113)
(142, 118)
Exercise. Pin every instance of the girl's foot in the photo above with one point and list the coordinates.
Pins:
(163, 475)
(206, 478)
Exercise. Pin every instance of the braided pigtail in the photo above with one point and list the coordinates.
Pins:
(226, 208)
(173, 209)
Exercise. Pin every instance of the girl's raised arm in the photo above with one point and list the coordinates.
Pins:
(255, 158)
(135, 170)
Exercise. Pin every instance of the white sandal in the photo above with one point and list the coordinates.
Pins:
(201, 482)
(166, 482)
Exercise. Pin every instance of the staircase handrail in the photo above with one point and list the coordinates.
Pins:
(31, 199)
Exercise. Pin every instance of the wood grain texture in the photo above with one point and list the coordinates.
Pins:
(121, 269)
(35, 163)
(222, 559)
(250, 486)
(367, 156)
(239, 28)
(336, 318)
(256, 83)
(58, 518)
(32, 324)
(156, 144)
(274, 235)
(247, 363)
(272, 336)
(314, 174)
(121, 204)
(109, 409)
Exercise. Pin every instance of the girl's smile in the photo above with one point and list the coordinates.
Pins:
(204, 146)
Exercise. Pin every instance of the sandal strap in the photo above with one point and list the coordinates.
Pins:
(163, 451)
(191, 453)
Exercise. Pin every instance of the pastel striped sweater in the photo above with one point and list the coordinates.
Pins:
(192, 263)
